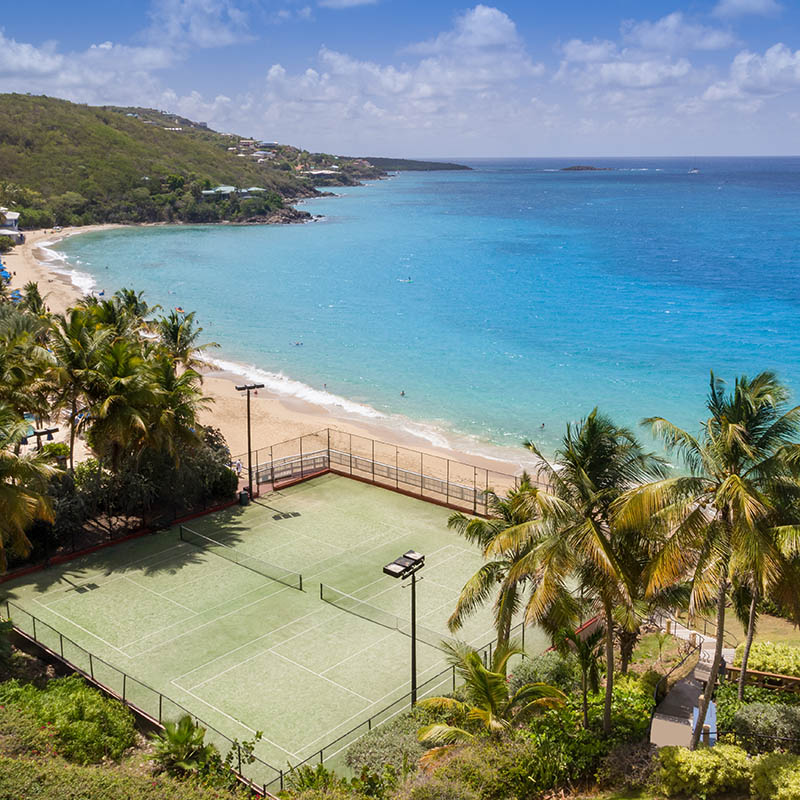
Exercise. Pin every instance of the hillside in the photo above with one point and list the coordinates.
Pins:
(406, 165)
(67, 164)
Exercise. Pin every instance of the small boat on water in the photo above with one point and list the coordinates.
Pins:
(694, 171)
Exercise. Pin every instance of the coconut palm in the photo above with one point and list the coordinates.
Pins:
(489, 707)
(513, 513)
(179, 335)
(23, 487)
(77, 346)
(720, 516)
(577, 542)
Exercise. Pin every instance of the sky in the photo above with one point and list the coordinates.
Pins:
(522, 78)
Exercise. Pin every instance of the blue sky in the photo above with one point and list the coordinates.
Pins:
(412, 78)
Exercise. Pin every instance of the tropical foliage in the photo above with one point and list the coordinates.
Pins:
(129, 396)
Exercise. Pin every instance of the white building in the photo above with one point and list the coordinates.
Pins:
(9, 225)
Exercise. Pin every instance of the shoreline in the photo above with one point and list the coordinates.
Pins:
(275, 416)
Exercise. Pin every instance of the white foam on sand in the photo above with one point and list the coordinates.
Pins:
(430, 433)
(58, 262)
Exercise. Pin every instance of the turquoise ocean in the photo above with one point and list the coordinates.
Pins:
(499, 300)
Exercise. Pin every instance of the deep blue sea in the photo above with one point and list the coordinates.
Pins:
(534, 294)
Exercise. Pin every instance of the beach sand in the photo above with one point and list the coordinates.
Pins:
(274, 418)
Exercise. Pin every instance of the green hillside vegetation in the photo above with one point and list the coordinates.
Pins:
(406, 165)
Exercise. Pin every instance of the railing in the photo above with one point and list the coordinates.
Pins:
(434, 478)
(144, 700)
(157, 707)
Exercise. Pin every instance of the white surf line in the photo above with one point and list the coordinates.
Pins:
(80, 627)
(239, 722)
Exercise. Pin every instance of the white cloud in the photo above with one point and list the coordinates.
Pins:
(738, 8)
(197, 23)
(640, 74)
(596, 50)
(346, 3)
(674, 33)
(20, 58)
(754, 76)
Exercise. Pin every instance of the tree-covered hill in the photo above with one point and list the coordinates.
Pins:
(62, 163)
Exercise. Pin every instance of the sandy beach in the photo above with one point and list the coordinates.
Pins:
(274, 418)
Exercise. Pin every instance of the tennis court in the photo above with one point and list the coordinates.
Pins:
(225, 631)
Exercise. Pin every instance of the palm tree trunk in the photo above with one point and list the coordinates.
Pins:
(72, 421)
(627, 644)
(585, 693)
(751, 630)
(712, 678)
(609, 668)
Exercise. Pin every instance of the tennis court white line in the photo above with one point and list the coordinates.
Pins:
(247, 644)
(158, 594)
(197, 614)
(333, 683)
(99, 575)
(80, 627)
(363, 650)
(239, 722)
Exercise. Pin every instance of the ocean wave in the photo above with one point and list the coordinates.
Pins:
(58, 262)
(461, 444)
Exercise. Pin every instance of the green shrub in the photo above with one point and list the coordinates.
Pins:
(707, 772)
(22, 734)
(55, 778)
(181, 748)
(6, 244)
(88, 727)
(776, 776)
(395, 744)
(433, 787)
(768, 657)
(728, 703)
(550, 668)
(762, 727)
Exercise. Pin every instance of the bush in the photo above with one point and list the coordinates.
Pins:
(395, 744)
(776, 777)
(54, 778)
(783, 659)
(88, 727)
(6, 243)
(762, 727)
(728, 703)
(707, 772)
(551, 668)
(22, 734)
(628, 766)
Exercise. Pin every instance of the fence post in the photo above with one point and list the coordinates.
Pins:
(124, 685)
(447, 483)
(320, 756)
(328, 430)
(351, 453)
(91, 666)
(34, 628)
(396, 467)
(160, 701)
(61, 643)
(369, 724)
(280, 772)
(302, 473)
(239, 753)
(373, 460)
(474, 490)
(421, 475)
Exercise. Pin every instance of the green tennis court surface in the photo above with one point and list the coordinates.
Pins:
(244, 652)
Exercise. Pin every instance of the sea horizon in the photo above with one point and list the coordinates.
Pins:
(534, 294)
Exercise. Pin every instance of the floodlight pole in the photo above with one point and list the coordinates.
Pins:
(246, 388)
(413, 638)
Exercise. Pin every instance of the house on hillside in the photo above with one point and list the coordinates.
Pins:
(220, 191)
(9, 226)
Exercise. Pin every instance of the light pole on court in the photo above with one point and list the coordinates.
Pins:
(246, 388)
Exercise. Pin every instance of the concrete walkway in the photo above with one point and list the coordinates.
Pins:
(673, 718)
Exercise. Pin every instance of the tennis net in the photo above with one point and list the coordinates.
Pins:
(264, 568)
(360, 608)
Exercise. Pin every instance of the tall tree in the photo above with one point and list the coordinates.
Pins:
(720, 516)
(511, 514)
(595, 464)
(180, 336)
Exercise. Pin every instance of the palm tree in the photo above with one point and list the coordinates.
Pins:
(179, 336)
(595, 464)
(77, 347)
(181, 748)
(488, 705)
(587, 652)
(134, 304)
(513, 514)
(23, 487)
(720, 516)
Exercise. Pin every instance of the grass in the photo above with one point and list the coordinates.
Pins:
(770, 629)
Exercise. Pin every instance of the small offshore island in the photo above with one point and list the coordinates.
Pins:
(585, 168)
(132, 165)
